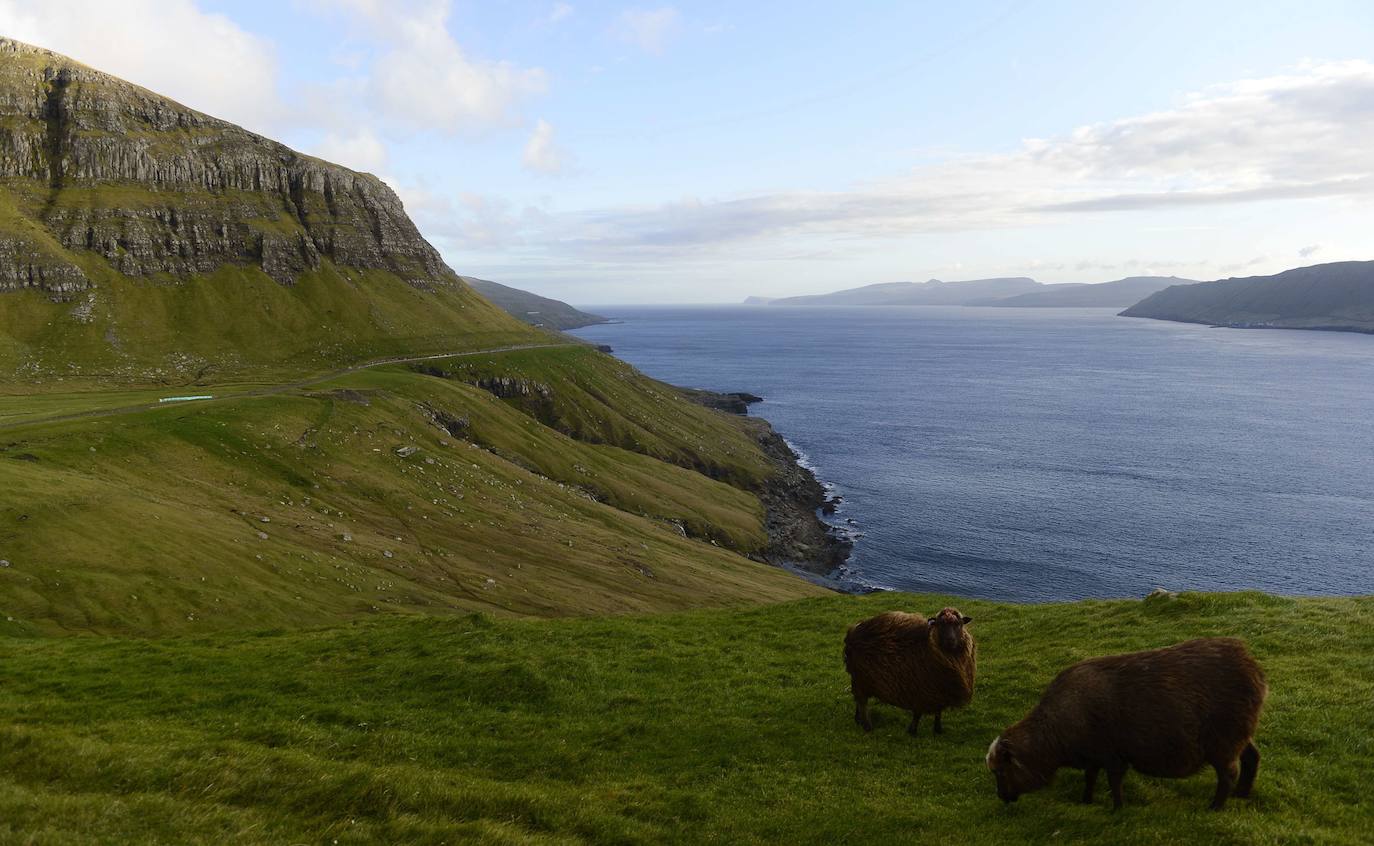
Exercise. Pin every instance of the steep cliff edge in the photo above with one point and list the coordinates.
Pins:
(115, 201)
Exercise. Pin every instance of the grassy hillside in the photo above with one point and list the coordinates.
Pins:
(532, 308)
(142, 242)
(1337, 296)
(385, 491)
(237, 323)
(722, 726)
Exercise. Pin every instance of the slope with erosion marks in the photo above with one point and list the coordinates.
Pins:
(384, 491)
(142, 241)
(603, 400)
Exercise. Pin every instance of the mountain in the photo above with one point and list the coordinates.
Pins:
(932, 292)
(1337, 296)
(1117, 294)
(532, 308)
(758, 300)
(144, 241)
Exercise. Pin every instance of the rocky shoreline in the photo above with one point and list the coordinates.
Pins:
(793, 498)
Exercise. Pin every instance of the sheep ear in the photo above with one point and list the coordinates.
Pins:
(968, 620)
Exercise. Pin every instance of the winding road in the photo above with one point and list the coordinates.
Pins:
(270, 390)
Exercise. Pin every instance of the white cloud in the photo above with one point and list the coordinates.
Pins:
(182, 51)
(360, 150)
(1309, 250)
(647, 29)
(560, 12)
(1299, 136)
(420, 77)
(542, 153)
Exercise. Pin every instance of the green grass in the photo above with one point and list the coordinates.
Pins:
(237, 324)
(729, 726)
(150, 522)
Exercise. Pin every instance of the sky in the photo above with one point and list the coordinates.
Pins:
(615, 152)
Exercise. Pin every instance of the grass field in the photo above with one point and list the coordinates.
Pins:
(729, 726)
(344, 499)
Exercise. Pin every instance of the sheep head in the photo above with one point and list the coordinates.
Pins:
(947, 628)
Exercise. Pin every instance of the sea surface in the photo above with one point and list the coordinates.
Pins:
(1053, 454)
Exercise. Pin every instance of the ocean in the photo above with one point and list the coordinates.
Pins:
(1053, 454)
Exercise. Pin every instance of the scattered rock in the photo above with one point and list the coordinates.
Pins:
(1159, 594)
(406, 451)
(262, 536)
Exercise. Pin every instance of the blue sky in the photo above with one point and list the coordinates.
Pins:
(653, 152)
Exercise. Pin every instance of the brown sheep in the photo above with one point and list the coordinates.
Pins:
(1165, 712)
(923, 666)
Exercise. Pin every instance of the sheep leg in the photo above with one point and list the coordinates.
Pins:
(1226, 777)
(915, 722)
(1115, 773)
(1249, 766)
(861, 711)
(939, 726)
(1089, 782)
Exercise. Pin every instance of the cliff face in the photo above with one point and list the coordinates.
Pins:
(156, 188)
(156, 235)
(1336, 296)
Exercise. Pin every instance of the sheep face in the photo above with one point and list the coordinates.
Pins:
(948, 626)
(1013, 776)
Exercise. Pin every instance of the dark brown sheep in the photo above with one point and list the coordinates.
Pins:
(923, 666)
(1165, 712)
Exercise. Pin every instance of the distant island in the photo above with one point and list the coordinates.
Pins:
(931, 292)
(1002, 292)
(532, 308)
(1337, 296)
(1115, 294)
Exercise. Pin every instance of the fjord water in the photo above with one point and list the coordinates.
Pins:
(1052, 454)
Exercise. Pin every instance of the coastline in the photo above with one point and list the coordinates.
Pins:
(1324, 327)
(793, 499)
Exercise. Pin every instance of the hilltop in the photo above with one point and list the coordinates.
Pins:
(532, 308)
(1336, 296)
(142, 241)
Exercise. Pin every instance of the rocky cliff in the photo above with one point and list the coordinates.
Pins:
(154, 188)
(105, 185)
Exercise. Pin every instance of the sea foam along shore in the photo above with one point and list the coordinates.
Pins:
(793, 498)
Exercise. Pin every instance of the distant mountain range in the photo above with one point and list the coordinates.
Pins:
(932, 292)
(1338, 296)
(532, 308)
(1117, 294)
(1007, 292)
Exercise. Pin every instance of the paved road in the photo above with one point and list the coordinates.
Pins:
(269, 390)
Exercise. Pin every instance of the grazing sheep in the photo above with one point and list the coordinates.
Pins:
(1165, 712)
(923, 666)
